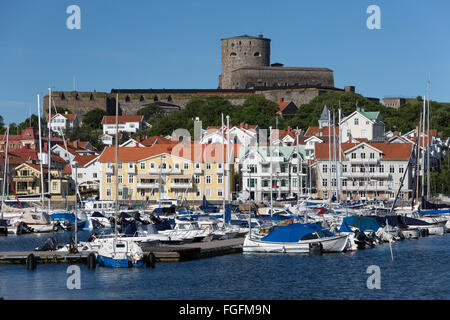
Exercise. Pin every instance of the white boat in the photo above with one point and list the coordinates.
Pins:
(119, 253)
(37, 221)
(295, 238)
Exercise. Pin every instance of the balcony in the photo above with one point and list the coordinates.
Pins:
(131, 170)
(367, 174)
(198, 171)
(364, 161)
(181, 185)
(153, 185)
(109, 170)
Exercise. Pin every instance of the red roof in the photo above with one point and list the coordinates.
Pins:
(393, 151)
(316, 131)
(122, 119)
(83, 160)
(191, 151)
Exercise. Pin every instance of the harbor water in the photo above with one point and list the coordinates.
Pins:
(419, 271)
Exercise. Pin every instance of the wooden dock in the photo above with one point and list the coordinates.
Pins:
(163, 253)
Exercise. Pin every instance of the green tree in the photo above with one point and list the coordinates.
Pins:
(93, 118)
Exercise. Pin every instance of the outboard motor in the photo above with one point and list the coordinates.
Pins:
(50, 244)
(22, 228)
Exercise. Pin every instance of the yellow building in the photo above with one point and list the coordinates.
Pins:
(27, 179)
(183, 171)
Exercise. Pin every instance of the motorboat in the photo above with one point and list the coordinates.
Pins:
(295, 238)
(116, 252)
(38, 221)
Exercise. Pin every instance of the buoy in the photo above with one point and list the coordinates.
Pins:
(31, 262)
(150, 260)
(315, 248)
(91, 261)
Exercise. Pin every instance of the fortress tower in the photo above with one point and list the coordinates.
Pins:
(242, 51)
(246, 65)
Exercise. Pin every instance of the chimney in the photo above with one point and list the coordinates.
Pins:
(281, 99)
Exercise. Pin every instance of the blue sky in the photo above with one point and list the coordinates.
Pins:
(176, 44)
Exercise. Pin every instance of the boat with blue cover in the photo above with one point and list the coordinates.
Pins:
(295, 238)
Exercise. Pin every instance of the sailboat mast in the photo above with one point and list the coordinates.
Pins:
(228, 162)
(423, 145)
(49, 146)
(271, 168)
(116, 168)
(4, 168)
(418, 159)
(428, 145)
(40, 151)
(329, 156)
(223, 168)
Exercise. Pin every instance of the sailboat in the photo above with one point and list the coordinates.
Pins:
(118, 252)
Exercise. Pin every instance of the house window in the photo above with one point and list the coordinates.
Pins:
(142, 192)
(108, 178)
(94, 175)
(333, 182)
(356, 121)
(219, 179)
(353, 155)
(143, 165)
(54, 186)
(219, 192)
(208, 179)
(400, 169)
(186, 166)
(344, 168)
(119, 179)
(208, 192)
(372, 155)
(80, 176)
(344, 182)
(208, 166)
(197, 179)
(381, 168)
(391, 168)
(130, 178)
(119, 165)
(324, 183)
(372, 168)
(324, 168)
(363, 155)
(108, 192)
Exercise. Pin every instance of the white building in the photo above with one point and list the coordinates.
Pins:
(367, 171)
(362, 124)
(61, 122)
(285, 168)
(129, 124)
(88, 172)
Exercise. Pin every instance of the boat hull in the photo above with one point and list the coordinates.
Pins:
(118, 263)
(330, 244)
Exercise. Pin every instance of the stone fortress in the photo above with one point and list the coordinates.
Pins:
(246, 64)
(246, 70)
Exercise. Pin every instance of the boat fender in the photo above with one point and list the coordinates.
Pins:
(315, 248)
(31, 262)
(91, 261)
(150, 260)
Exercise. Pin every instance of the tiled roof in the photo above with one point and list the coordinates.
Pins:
(121, 119)
(190, 151)
(83, 160)
(315, 131)
(392, 151)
